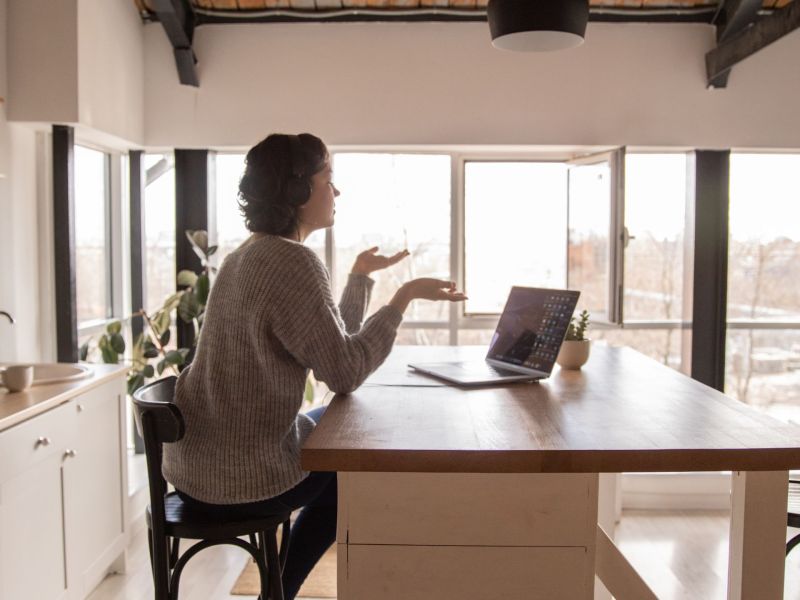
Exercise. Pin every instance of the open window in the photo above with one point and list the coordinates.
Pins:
(596, 235)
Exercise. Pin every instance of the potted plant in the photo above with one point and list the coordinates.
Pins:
(575, 349)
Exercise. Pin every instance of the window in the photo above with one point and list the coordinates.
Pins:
(519, 221)
(656, 305)
(159, 230)
(231, 231)
(514, 230)
(382, 198)
(92, 239)
(763, 338)
(589, 228)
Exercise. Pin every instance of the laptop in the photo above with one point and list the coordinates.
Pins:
(524, 345)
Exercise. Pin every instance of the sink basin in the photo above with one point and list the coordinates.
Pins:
(47, 373)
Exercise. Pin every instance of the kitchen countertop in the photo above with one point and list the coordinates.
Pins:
(21, 406)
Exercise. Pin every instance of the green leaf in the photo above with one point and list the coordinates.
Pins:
(150, 350)
(162, 364)
(174, 357)
(114, 327)
(211, 250)
(148, 371)
(135, 381)
(164, 338)
(188, 309)
(187, 278)
(117, 343)
(102, 342)
(83, 351)
(201, 289)
(163, 321)
(172, 301)
(109, 356)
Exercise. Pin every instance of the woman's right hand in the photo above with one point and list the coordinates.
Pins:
(426, 288)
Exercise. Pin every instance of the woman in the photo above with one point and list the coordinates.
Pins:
(269, 319)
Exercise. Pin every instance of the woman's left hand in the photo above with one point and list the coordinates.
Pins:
(369, 261)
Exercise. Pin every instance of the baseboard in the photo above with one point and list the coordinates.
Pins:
(676, 491)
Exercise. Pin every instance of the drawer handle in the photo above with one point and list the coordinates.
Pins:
(70, 454)
(42, 441)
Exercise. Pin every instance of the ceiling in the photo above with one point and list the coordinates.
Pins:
(743, 26)
(208, 11)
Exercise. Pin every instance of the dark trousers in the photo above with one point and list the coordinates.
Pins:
(314, 529)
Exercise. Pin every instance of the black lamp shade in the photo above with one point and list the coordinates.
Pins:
(537, 25)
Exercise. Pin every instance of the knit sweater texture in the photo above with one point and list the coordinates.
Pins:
(270, 318)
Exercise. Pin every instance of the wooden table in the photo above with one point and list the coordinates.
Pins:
(493, 492)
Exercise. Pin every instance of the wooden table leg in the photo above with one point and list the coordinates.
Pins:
(758, 535)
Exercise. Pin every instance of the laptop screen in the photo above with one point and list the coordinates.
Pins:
(532, 327)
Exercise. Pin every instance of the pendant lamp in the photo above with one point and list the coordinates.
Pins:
(537, 25)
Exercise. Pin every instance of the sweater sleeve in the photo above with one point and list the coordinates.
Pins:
(306, 320)
(354, 301)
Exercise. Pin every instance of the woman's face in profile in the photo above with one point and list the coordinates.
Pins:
(318, 212)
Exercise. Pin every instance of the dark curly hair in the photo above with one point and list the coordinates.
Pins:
(277, 181)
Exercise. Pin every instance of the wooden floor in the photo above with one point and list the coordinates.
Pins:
(681, 555)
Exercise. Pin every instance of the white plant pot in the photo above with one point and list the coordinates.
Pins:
(573, 354)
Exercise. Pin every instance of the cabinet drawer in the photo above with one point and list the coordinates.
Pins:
(468, 509)
(25, 445)
(464, 573)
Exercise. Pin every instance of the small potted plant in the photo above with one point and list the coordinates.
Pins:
(575, 350)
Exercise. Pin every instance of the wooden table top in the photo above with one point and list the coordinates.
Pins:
(622, 412)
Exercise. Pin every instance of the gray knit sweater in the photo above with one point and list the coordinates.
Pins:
(270, 318)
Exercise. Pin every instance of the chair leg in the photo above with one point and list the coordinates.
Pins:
(173, 556)
(160, 548)
(286, 530)
(270, 550)
(792, 543)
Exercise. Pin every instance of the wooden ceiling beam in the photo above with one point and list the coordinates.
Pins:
(750, 40)
(177, 18)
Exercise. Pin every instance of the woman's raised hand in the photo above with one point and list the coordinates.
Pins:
(426, 288)
(369, 261)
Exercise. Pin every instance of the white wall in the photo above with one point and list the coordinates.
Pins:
(111, 68)
(18, 228)
(78, 62)
(443, 83)
(43, 60)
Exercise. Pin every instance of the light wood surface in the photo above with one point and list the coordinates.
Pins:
(21, 406)
(621, 412)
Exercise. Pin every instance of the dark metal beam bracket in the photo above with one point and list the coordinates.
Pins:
(178, 20)
(736, 45)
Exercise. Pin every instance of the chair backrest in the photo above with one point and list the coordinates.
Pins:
(156, 399)
(158, 421)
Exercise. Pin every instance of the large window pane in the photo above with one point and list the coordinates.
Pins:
(231, 230)
(763, 265)
(92, 252)
(395, 201)
(664, 345)
(763, 365)
(762, 368)
(159, 230)
(589, 223)
(514, 230)
(655, 214)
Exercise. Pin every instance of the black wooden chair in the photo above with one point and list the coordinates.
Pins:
(793, 516)
(169, 520)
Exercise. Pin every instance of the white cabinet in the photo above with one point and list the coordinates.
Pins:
(63, 492)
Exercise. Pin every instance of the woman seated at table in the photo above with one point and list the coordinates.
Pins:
(269, 319)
